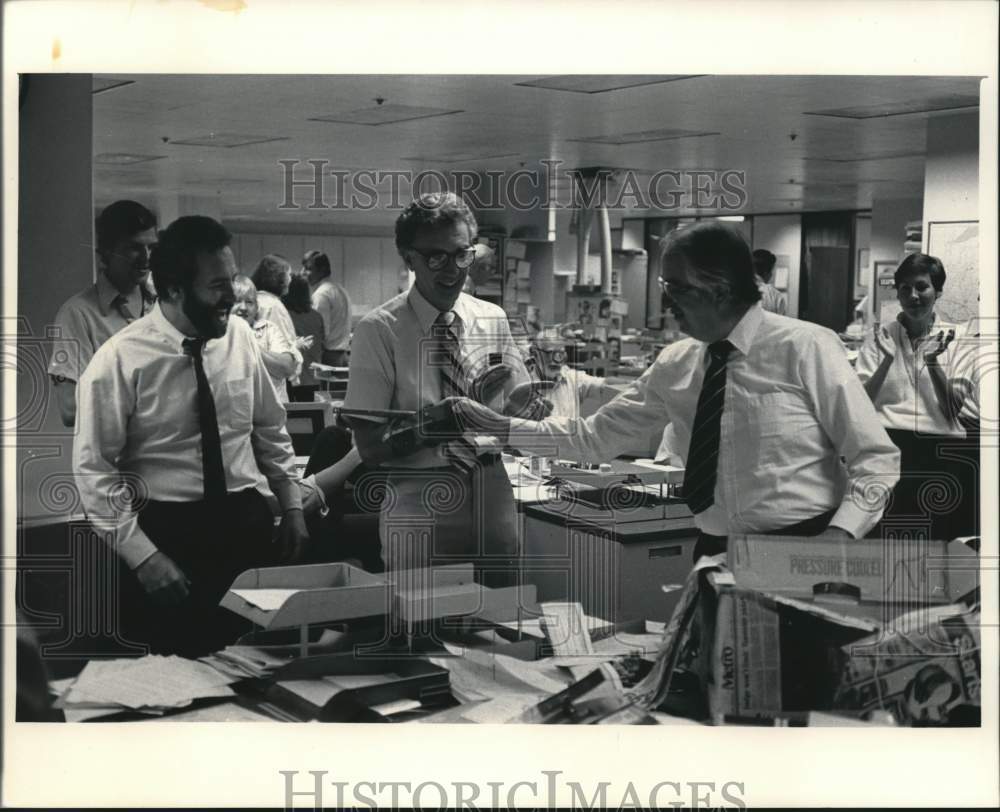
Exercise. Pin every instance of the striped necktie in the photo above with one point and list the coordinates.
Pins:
(454, 383)
(121, 305)
(703, 453)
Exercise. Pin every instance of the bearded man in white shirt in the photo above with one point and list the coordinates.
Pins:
(180, 431)
(763, 408)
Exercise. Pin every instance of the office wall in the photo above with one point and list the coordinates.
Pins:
(55, 259)
(951, 174)
(781, 234)
(951, 210)
(889, 219)
(368, 266)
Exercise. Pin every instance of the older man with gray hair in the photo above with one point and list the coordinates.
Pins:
(764, 408)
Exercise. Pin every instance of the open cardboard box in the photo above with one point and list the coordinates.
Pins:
(777, 640)
(319, 593)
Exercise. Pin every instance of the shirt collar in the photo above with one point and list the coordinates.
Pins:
(159, 322)
(106, 293)
(427, 314)
(743, 334)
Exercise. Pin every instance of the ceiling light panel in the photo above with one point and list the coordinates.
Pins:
(384, 114)
(643, 137)
(954, 101)
(602, 83)
(226, 140)
(124, 158)
(459, 157)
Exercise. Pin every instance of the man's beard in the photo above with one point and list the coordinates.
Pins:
(204, 317)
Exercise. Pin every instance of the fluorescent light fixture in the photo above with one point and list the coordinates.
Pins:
(226, 140)
(459, 157)
(642, 137)
(735, 218)
(602, 83)
(105, 83)
(885, 156)
(124, 158)
(954, 101)
(384, 114)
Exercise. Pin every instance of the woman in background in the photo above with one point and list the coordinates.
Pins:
(308, 325)
(271, 278)
(276, 351)
(906, 369)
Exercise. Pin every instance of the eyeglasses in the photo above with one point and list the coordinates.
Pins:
(675, 288)
(437, 260)
(553, 356)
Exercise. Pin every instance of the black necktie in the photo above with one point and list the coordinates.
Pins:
(703, 453)
(211, 446)
(453, 383)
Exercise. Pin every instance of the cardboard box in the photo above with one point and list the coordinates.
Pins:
(896, 571)
(766, 648)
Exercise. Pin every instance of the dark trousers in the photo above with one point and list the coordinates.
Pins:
(938, 488)
(211, 545)
(708, 544)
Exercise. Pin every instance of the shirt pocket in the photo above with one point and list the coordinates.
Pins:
(770, 430)
(236, 406)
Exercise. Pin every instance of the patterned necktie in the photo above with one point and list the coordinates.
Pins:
(703, 453)
(211, 445)
(454, 383)
(121, 303)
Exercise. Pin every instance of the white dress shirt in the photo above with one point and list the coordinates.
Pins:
(271, 339)
(271, 308)
(771, 299)
(331, 301)
(392, 351)
(571, 387)
(793, 407)
(907, 400)
(138, 423)
(88, 319)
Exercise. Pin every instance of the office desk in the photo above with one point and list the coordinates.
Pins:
(615, 562)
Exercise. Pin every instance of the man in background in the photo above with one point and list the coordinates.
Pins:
(179, 426)
(771, 299)
(126, 232)
(331, 301)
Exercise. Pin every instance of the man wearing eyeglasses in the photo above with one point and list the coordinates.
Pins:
(763, 408)
(424, 345)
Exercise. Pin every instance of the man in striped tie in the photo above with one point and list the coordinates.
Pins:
(126, 233)
(450, 500)
(773, 426)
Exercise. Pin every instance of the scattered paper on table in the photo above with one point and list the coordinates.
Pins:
(566, 628)
(147, 682)
(502, 709)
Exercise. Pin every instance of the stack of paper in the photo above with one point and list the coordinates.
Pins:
(150, 685)
(241, 662)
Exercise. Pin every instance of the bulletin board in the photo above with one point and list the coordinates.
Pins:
(956, 244)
